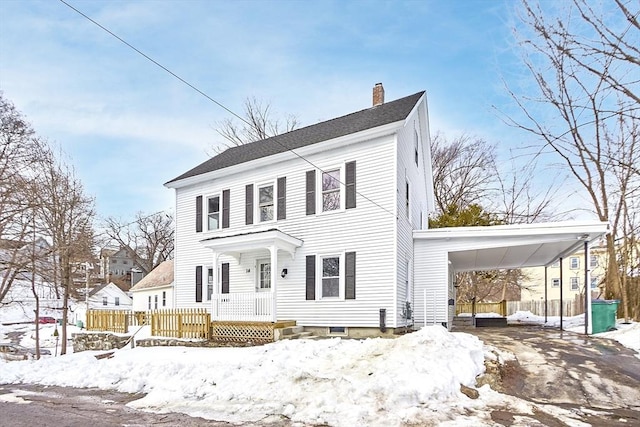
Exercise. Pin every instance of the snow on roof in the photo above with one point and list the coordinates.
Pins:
(160, 276)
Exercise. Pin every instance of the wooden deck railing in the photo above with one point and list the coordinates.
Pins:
(243, 306)
(483, 307)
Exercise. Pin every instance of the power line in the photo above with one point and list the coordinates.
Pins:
(147, 57)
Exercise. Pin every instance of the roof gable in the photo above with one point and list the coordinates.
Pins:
(380, 115)
(160, 276)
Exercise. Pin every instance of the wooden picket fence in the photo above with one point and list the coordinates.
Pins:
(570, 307)
(108, 320)
(177, 323)
(181, 323)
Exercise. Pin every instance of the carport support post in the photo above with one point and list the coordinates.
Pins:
(561, 286)
(587, 290)
(545, 293)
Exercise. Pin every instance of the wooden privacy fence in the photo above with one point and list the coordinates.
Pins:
(483, 307)
(569, 307)
(108, 320)
(181, 323)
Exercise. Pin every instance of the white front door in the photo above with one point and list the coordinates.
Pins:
(263, 282)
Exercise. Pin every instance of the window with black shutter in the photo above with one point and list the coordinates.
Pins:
(199, 214)
(311, 193)
(226, 196)
(350, 184)
(311, 277)
(282, 198)
(248, 201)
(199, 283)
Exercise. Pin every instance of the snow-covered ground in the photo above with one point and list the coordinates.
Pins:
(411, 380)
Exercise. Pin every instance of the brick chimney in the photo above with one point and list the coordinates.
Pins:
(378, 95)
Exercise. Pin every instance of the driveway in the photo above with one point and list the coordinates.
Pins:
(595, 379)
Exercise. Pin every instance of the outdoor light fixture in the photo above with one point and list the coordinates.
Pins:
(284, 273)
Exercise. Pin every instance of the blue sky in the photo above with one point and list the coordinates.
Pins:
(128, 126)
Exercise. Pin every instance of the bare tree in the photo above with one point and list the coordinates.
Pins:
(464, 171)
(148, 239)
(18, 154)
(257, 123)
(65, 214)
(585, 67)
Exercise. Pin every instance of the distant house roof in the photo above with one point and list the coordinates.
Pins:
(160, 276)
(380, 115)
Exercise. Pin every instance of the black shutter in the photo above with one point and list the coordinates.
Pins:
(248, 203)
(311, 192)
(199, 214)
(226, 196)
(350, 275)
(282, 198)
(311, 277)
(199, 283)
(225, 277)
(350, 181)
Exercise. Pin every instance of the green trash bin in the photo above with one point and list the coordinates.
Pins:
(603, 315)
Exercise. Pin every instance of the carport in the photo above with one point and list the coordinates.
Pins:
(441, 253)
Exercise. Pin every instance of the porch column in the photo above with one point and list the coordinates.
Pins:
(561, 286)
(214, 295)
(273, 250)
(588, 325)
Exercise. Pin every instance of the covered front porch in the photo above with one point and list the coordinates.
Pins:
(246, 288)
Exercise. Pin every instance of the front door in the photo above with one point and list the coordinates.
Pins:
(264, 275)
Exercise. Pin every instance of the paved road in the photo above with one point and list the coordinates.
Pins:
(26, 405)
(596, 379)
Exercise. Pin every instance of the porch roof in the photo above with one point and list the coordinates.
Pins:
(244, 242)
(513, 246)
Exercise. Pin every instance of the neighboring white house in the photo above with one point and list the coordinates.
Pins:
(155, 290)
(314, 225)
(108, 296)
(326, 226)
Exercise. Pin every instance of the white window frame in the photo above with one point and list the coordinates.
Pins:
(341, 188)
(207, 213)
(117, 301)
(341, 278)
(594, 282)
(164, 298)
(105, 300)
(575, 283)
(593, 260)
(555, 282)
(572, 260)
(149, 302)
(274, 200)
(155, 302)
(556, 264)
(258, 273)
(209, 288)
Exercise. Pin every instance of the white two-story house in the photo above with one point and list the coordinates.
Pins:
(314, 225)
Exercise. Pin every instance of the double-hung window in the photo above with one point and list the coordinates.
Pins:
(330, 277)
(574, 263)
(594, 282)
(331, 190)
(555, 283)
(213, 212)
(575, 283)
(265, 203)
(104, 300)
(209, 283)
(593, 261)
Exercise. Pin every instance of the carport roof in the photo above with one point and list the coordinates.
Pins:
(512, 246)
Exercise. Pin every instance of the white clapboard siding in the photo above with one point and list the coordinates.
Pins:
(367, 230)
(431, 281)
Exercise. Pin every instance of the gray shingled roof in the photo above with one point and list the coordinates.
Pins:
(355, 122)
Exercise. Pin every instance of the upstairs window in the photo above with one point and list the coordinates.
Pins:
(104, 300)
(213, 213)
(331, 190)
(117, 300)
(265, 203)
(593, 261)
(575, 283)
(555, 283)
(574, 263)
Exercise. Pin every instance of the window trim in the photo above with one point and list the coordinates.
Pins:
(554, 281)
(593, 261)
(574, 283)
(274, 201)
(341, 276)
(340, 190)
(258, 274)
(571, 262)
(207, 213)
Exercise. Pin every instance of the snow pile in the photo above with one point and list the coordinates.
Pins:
(627, 334)
(334, 381)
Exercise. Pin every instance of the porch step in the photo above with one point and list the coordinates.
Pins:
(292, 333)
(462, 322)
